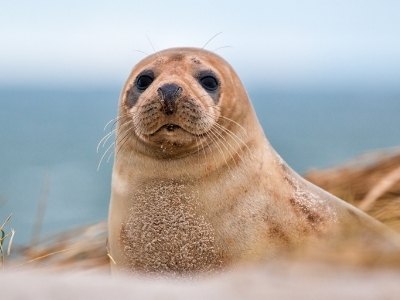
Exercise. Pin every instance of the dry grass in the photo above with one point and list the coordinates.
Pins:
(6, 239)
(372, 182)
(81, 248)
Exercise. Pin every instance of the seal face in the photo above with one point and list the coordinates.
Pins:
(196, 186)
(172, 102)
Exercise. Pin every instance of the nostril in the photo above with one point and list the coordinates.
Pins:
(169, 92)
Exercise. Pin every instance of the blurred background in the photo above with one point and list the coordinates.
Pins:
(324, 77)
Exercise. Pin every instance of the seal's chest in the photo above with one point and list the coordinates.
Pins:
(163, 233)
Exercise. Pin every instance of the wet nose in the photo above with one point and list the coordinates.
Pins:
(169, 92)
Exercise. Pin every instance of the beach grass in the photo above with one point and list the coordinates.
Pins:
(370, 182)
(6, 240)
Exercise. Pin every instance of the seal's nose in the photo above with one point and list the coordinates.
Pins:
(169, 92)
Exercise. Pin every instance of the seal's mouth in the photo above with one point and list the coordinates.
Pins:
(171, 127)
(168, 127)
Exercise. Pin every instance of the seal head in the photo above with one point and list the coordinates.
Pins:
(173, 99)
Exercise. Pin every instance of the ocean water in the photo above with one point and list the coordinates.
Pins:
(48, 140)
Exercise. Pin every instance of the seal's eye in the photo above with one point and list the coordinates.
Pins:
(210, 83)
(144, 81)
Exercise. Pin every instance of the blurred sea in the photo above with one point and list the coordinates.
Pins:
(49, 138)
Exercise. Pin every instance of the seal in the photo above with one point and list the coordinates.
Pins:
(197, 187)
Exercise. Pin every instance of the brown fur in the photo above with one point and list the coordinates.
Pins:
(211, 193)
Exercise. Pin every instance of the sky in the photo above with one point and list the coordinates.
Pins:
(280, 43)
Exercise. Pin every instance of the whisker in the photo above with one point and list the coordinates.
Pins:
(209, 147)
(109, 122)
(102, 157)
(140, 51)
(123, 140)
(109, 156)
(104, 140)
(203, 149)
(210, 39)
(151, 44)
(219, 148)
(215, 129)
(223, 47)
(115, 143)
(236, 138)
(115, 120)
(229, 144)
(198, 148)
(234, 122)
(223, 117)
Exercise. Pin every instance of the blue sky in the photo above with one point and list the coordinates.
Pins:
(279, 43)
